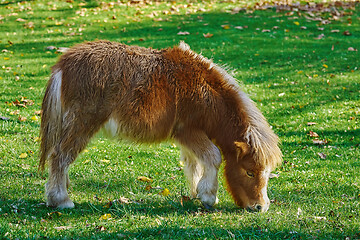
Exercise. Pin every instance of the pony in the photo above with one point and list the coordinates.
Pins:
(148, 95)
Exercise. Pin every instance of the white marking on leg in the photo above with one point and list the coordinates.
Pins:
(111, 127)
(208, 185)
(192, 170)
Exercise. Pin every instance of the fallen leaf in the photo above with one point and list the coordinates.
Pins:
(183, 33)
(347, 33)
(351, 49)
(106, 216)
(313, 134)
(321, 155)
(239, 27)
(208, 35)
(321, 36)
(320, 218)
(23, 155)
(123, 200)
(165, 192)
(34, 118)
(144, 179)
(225, 27)
(320, 142)
(311, 123)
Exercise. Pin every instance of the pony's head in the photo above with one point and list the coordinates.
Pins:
(251, 161)
(248, 179)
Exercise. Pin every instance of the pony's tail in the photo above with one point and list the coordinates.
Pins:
(51, 118)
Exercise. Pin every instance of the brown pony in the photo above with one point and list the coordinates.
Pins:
(149, 95)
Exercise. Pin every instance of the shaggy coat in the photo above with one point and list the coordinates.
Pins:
(149, 95)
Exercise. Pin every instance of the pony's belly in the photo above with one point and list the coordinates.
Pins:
(136, 131)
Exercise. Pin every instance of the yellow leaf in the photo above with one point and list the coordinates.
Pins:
(225, 26)
(315, 75)
(325, 66)
(105, 217)
(37, 139)
(23, 155)
(165, 192)
(144, 179)
(105, 161)
(6, 58)
(34, 118)
(297, 23)
(300, 72)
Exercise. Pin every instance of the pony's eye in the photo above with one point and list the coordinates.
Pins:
(250, 174)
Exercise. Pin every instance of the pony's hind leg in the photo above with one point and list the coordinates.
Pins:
(74, 137)
(208, 157)
(192, 170)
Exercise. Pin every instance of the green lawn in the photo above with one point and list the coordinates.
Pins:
(300, 67)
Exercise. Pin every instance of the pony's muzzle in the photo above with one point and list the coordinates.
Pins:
(258, 208)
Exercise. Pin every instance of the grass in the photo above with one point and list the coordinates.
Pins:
(296, 69)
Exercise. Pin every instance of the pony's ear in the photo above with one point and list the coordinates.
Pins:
(242, 148)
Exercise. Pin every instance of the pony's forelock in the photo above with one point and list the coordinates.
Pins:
(260, 136)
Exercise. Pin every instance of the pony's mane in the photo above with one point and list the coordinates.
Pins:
(258, 135)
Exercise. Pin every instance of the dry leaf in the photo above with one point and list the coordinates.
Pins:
(347, 33)
(34, 118)
(183, 33)
(320, 142)
(23, 155)
(123, 200)
(311, 123)
(313, 134)
(165, 192)
(144, 179)
(322, 155)
(351, 49)
(321, 36)
(208, 35)
(105, 217)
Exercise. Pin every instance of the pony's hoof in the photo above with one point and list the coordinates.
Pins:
(208, 207)
(66, 204)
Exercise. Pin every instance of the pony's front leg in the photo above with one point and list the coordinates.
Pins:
(56, 187)
(192, 170)
(207, 187)
(208, 156)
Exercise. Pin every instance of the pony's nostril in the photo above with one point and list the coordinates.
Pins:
(258, 207)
